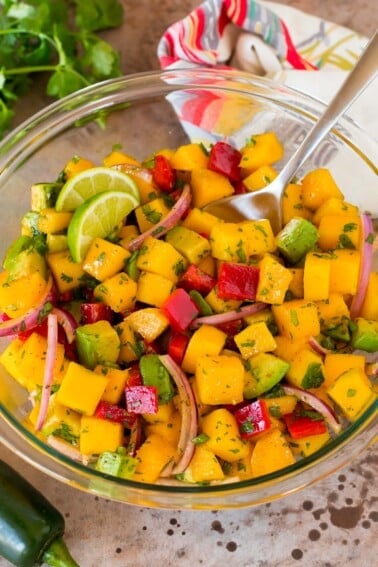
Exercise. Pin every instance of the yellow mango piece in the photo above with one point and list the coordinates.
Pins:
(129, 349)
(104, 259)
(296, 282)
(99, 435)
(51, 221)
(208, 186)
(200, 221)
(318, 185)
(204, 466)
(115, 385)
(253, 339)
(159, 257)
(308, 445)
(163, 415)
(352, 393)
(149, 214)
(369, 308)
(242, 468)
(339, 231)
(271, 453)
(119, 292)
(274, 280)
(143, 179)
(116, 157)
(32, 361)
(306, 370)
(336, 364)
(333, 206)
(316, 276)
(188, 243)
(345, 269)
(188, 157)
(280, 405)
(149, 322)
(297, 319)
(153, 289)
(219, 379)
(153, 455)
(260, 178)
(126, 234)
(68, 274)
(81, 389)
(220, 305)
(224, 439)
(228, 242)
(208, 265)
(287, 348)
(10, 359)
(263, 149)
(62, 422)
(169, 430)
(207, 340)
(17, 296)
(76, 165)
(332, 310)
(292, 204)
(259, 237)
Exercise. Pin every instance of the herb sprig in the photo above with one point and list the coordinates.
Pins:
(58, 38)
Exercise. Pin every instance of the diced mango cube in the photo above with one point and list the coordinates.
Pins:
(271, 453)
(292, 203)
(306, 370)
(151, 213)
(149, 322)
(263, 149)
(17, 296)
(204, 466)
(308, 445)
(318, 185)
(119, 292)
(274, 280)
(130, 349)
(67, 273)
(116, 381)
(336, 364)
(51, 221)
(316, 276)
(104, 259)
(153, 455)
(224, 438)
(189, 243)
(219, 379)
(207, 340)
(220, 305)
(208, 186)
(352, 393)
(333, 206)
(153, 289)
(369, 309)
(200, 221)
(345, 269)
(260, 178)
(99, 435)
(188, 157)
(259, 237)
(253, 339)
(81, 389)
(159, 257)
(339, 231)
(297, 318)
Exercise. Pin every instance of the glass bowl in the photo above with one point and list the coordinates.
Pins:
(145, 112)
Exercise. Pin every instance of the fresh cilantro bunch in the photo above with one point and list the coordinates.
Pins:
(57, 37)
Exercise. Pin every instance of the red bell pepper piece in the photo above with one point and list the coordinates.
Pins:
(237, 281)
(177, 344)
(180, 310)
(93, 312)
(163, 173)
(134, 377)
(225, 159)
(239, 188)
(304, 423)
(196, 279)
(141, 399)
(112, 412)
(252, 418)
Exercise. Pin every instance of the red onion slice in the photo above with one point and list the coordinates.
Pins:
(48, 377)
(221, 318)
(31, 318)
(169, 221)
(312, 400)
(317, 347)
(67, 321)
(189, 425)
(366, 264)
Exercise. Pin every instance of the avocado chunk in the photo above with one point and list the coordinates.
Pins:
(44, 195)
(116, 464)
(97, 343)
(365, 335)
(297, 238)
(155, 374)
(189, 243)
(263, 372)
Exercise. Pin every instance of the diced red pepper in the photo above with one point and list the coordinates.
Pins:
(177, 344)
(134, 377)
(304, 424)
(239, 188)
(93, 312)
(225, 159)
(141, 399)
(252, 419)
(112, 412)
(231, 328)
(163, 173)
(180, 310)
(196, 279)
(237, 281)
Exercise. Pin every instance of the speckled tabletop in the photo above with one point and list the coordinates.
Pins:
(331, 524)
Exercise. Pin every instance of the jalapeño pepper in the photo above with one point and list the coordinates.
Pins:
(31, 529)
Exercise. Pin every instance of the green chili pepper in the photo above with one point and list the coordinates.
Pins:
(31, 529)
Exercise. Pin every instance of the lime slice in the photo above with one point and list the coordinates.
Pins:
(99, 217)
(91, 181)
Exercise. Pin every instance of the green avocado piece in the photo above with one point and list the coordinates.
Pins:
(263, 371)
(155, 374)
(296, 238)
(97, 343)
(44, 195)
(365, 335)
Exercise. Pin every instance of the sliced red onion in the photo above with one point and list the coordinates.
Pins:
(189, 424)
(312, 400)
(67, 321)
(234, 315)
(48, 377)
(32, 318)
(169, 221)
(317, 347)
(366, 264)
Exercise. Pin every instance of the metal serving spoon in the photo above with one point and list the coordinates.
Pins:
(266, 203)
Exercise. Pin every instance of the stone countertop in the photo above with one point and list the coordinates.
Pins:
(330, 524)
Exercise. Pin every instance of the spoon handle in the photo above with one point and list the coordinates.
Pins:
(356, 82)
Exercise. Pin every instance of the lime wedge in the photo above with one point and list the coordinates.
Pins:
(91, 181)
(99, 216)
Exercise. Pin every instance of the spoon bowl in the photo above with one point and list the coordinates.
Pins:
(266, 203)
